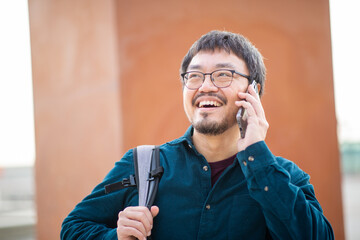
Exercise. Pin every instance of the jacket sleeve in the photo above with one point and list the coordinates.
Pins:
(95, 217)
(285, 194)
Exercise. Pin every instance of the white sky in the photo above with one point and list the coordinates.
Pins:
(17, 147)
(345, 33)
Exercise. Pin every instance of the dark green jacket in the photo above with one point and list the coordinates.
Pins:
(259, 196)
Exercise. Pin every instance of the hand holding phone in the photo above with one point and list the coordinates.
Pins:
(241, 116)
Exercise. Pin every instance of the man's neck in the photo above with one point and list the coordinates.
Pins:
(219, 147)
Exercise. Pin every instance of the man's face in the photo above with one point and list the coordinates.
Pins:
(212, 110)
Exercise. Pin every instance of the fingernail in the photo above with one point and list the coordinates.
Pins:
(149, 233)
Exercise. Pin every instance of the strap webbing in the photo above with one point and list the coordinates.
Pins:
(126, 182)
(147, 174)
(144, 154)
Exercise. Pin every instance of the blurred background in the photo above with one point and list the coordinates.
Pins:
(24, 200)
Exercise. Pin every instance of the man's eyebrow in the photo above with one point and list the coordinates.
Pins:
(219, 65)
(225, 65)
(194, 67)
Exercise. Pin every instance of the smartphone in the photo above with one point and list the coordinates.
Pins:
(241, 116)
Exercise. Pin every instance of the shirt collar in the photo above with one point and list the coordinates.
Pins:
(187, 137)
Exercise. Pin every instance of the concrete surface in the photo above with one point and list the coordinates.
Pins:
(351, 201)
(17, 206)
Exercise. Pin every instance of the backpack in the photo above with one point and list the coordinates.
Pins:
(147, 175)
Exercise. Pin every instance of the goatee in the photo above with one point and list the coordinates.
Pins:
(211, 128)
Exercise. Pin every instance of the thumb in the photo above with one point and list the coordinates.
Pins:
(154, 211)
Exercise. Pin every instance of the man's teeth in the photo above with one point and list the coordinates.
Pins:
(209, 103)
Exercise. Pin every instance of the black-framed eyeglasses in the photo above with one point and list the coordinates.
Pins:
(221, 78)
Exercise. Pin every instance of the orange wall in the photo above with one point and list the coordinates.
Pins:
(106, 78)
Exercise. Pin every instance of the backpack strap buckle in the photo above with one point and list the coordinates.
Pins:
(126, 182)
(129, 182)
(156, 173)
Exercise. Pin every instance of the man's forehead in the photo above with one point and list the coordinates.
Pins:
(215, 59)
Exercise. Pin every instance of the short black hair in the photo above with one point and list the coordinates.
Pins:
(231, 43)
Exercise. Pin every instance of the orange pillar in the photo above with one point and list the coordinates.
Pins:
(86, 116)
(76, 98)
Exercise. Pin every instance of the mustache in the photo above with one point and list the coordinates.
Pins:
(221, 98)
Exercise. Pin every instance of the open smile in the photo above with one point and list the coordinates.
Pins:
(209, 100)
(209, 104)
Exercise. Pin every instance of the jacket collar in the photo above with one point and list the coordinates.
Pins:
(187, 137)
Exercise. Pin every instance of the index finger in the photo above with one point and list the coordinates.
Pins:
(147, 213)
(253, 98)
(142, 214)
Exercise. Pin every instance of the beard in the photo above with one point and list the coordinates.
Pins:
(212, 128)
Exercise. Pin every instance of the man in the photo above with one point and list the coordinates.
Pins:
(216, 184)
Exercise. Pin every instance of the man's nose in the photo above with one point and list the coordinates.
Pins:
(208, 85)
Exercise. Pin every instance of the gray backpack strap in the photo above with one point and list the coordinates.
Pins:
(147, 174)
(144, 154)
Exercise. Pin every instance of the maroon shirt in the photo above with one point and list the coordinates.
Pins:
(217, 168)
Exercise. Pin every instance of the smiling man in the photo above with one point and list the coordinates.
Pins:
(216, 184)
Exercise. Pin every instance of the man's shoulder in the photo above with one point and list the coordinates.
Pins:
(292, 168)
